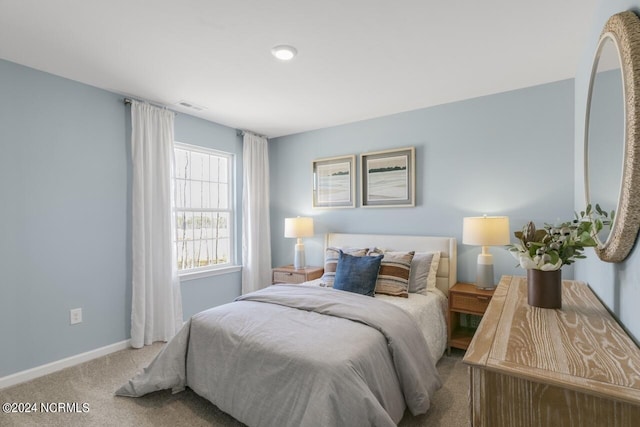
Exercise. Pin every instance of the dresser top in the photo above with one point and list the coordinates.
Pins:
(580, 346)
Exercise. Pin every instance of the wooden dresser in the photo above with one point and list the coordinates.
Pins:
(540, 367)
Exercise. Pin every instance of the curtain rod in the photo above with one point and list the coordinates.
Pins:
(241, 132)
(128, 101)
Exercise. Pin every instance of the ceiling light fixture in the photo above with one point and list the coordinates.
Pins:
(284, 52)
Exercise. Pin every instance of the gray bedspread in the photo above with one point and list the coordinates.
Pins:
(299, 356)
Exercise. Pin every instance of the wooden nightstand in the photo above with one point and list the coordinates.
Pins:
(288, 274)
(464, 299)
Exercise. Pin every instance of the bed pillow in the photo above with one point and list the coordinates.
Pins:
(393, 277)
(331, 261)
(357, 274)
(424, 268)
(375, 251)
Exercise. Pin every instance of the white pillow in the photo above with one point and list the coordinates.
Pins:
(424, 268)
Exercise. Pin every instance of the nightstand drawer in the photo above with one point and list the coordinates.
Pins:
(288, 277)
(472, 303)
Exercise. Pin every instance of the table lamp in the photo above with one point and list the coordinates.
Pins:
(298, 227)
(485, 231)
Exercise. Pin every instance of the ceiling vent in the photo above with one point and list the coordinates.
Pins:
(190, 106)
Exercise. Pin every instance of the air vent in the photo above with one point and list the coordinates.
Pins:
(190, 106)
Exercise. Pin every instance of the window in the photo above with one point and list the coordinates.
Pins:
(203, 208)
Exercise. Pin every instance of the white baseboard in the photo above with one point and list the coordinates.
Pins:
(39, 371)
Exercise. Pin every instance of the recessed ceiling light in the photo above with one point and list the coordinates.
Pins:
(284, 52)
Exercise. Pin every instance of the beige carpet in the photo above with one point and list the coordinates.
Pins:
(93, 383)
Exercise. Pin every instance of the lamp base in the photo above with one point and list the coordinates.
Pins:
(298, 260)
(484, 276)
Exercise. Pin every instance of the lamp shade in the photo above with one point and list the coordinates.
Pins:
(485, 230)
(298, 227)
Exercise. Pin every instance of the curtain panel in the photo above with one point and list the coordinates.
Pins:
(156, 305)
(256, 235)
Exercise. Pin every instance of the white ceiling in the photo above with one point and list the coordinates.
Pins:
(357, 59)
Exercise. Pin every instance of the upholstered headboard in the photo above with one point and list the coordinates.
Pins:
(447, 246)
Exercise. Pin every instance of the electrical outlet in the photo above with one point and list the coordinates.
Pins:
(75, 315)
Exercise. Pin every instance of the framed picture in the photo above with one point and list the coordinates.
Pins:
(334, 182)
(388, 178)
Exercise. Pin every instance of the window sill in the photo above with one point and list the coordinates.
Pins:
(207, 273)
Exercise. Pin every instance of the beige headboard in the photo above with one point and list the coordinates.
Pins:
(447, 246)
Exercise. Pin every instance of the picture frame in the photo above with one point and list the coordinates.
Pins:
(388, 178)
(334, 182)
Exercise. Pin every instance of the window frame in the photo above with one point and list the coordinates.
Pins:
(213, 269)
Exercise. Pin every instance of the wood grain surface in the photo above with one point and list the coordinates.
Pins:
(573, 366)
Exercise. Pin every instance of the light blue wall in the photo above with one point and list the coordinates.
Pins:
(506, 154)
(64, 217)
(618, 285)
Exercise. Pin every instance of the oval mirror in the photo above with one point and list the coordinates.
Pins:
(612, 166)
(605, 133)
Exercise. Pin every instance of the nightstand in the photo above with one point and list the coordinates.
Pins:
(288, 274)
(467, 304)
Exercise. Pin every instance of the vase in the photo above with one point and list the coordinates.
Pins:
(544, 288)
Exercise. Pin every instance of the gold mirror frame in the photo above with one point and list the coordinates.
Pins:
(624, 29)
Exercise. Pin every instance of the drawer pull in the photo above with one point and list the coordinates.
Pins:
(483, 298)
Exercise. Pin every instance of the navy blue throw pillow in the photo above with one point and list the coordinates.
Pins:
(357, 273)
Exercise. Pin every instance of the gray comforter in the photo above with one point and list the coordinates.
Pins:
(299, 356)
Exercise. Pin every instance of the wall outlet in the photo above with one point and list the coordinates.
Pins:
(75, 315)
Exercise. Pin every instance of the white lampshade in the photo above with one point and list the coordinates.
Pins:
(298, 227)
(485, 230)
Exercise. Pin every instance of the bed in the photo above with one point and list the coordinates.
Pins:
(307, 355)
(429, 310)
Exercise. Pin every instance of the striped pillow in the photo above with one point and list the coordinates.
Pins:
(393, 277)
(331, 255)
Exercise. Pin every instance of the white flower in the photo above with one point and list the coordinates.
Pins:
(517, 250)
(526, 262)
(536, 263)
(551, 267)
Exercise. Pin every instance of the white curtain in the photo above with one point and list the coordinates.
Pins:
(256, 235)
(156, 306)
